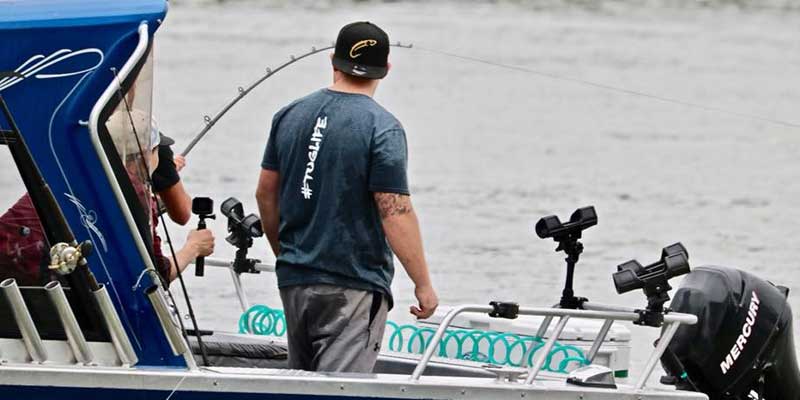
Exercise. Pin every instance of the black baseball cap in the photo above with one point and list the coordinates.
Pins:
(362, 50)
(165, 140)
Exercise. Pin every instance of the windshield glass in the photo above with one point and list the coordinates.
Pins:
(130, 127)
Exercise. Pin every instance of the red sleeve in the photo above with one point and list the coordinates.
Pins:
(162, 263)
(22, 243)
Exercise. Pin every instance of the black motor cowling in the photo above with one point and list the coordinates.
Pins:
(742, 341)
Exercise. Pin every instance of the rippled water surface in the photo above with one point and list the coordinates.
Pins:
(493, 149)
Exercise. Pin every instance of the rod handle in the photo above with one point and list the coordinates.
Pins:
(200, 262)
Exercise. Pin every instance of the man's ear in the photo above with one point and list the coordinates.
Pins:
(388, 67)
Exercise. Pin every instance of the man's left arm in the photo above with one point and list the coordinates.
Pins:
(177, 202)
(268, 207)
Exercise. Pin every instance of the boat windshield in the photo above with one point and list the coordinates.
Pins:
(131, 129)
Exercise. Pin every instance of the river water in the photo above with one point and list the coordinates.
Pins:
(492, 150)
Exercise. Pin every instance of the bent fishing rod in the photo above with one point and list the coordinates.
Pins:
(211, 121)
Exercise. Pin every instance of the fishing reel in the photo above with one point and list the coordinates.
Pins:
(567, 234)
(64, 258)
(242, 229)
(654, 280)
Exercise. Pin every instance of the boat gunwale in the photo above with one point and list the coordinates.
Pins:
(284, 381)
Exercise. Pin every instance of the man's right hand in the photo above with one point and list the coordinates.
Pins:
(428, 302)
(202, 242)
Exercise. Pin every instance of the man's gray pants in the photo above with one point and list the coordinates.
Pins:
(332, 328)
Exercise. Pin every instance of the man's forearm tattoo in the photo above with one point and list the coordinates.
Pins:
(390, 204)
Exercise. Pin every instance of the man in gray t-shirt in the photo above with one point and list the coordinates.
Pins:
(333, 196)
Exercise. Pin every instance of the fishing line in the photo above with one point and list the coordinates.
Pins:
(166, 234)
(180, 382)
(613, 88)
(211, 121)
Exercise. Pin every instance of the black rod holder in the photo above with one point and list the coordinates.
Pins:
(653, 279)
(567, 236)
(242, 229)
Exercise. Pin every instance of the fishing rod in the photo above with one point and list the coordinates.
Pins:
(211, 121)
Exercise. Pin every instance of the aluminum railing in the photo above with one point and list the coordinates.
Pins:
(237, 282)
(608, 313)
(596, 311)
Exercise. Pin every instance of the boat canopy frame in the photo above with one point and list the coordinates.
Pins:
(125, 194)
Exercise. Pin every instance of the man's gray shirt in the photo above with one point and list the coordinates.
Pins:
(332, 151)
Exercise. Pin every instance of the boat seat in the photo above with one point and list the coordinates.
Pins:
(251, 351)
(234, 350)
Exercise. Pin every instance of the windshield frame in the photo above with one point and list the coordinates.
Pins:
(113, 166)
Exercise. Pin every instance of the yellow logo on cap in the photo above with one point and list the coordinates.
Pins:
(360, 45)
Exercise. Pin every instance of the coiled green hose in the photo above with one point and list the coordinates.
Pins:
(263, 320)
(500, 348)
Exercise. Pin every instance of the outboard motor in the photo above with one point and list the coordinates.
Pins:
(742, 346)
